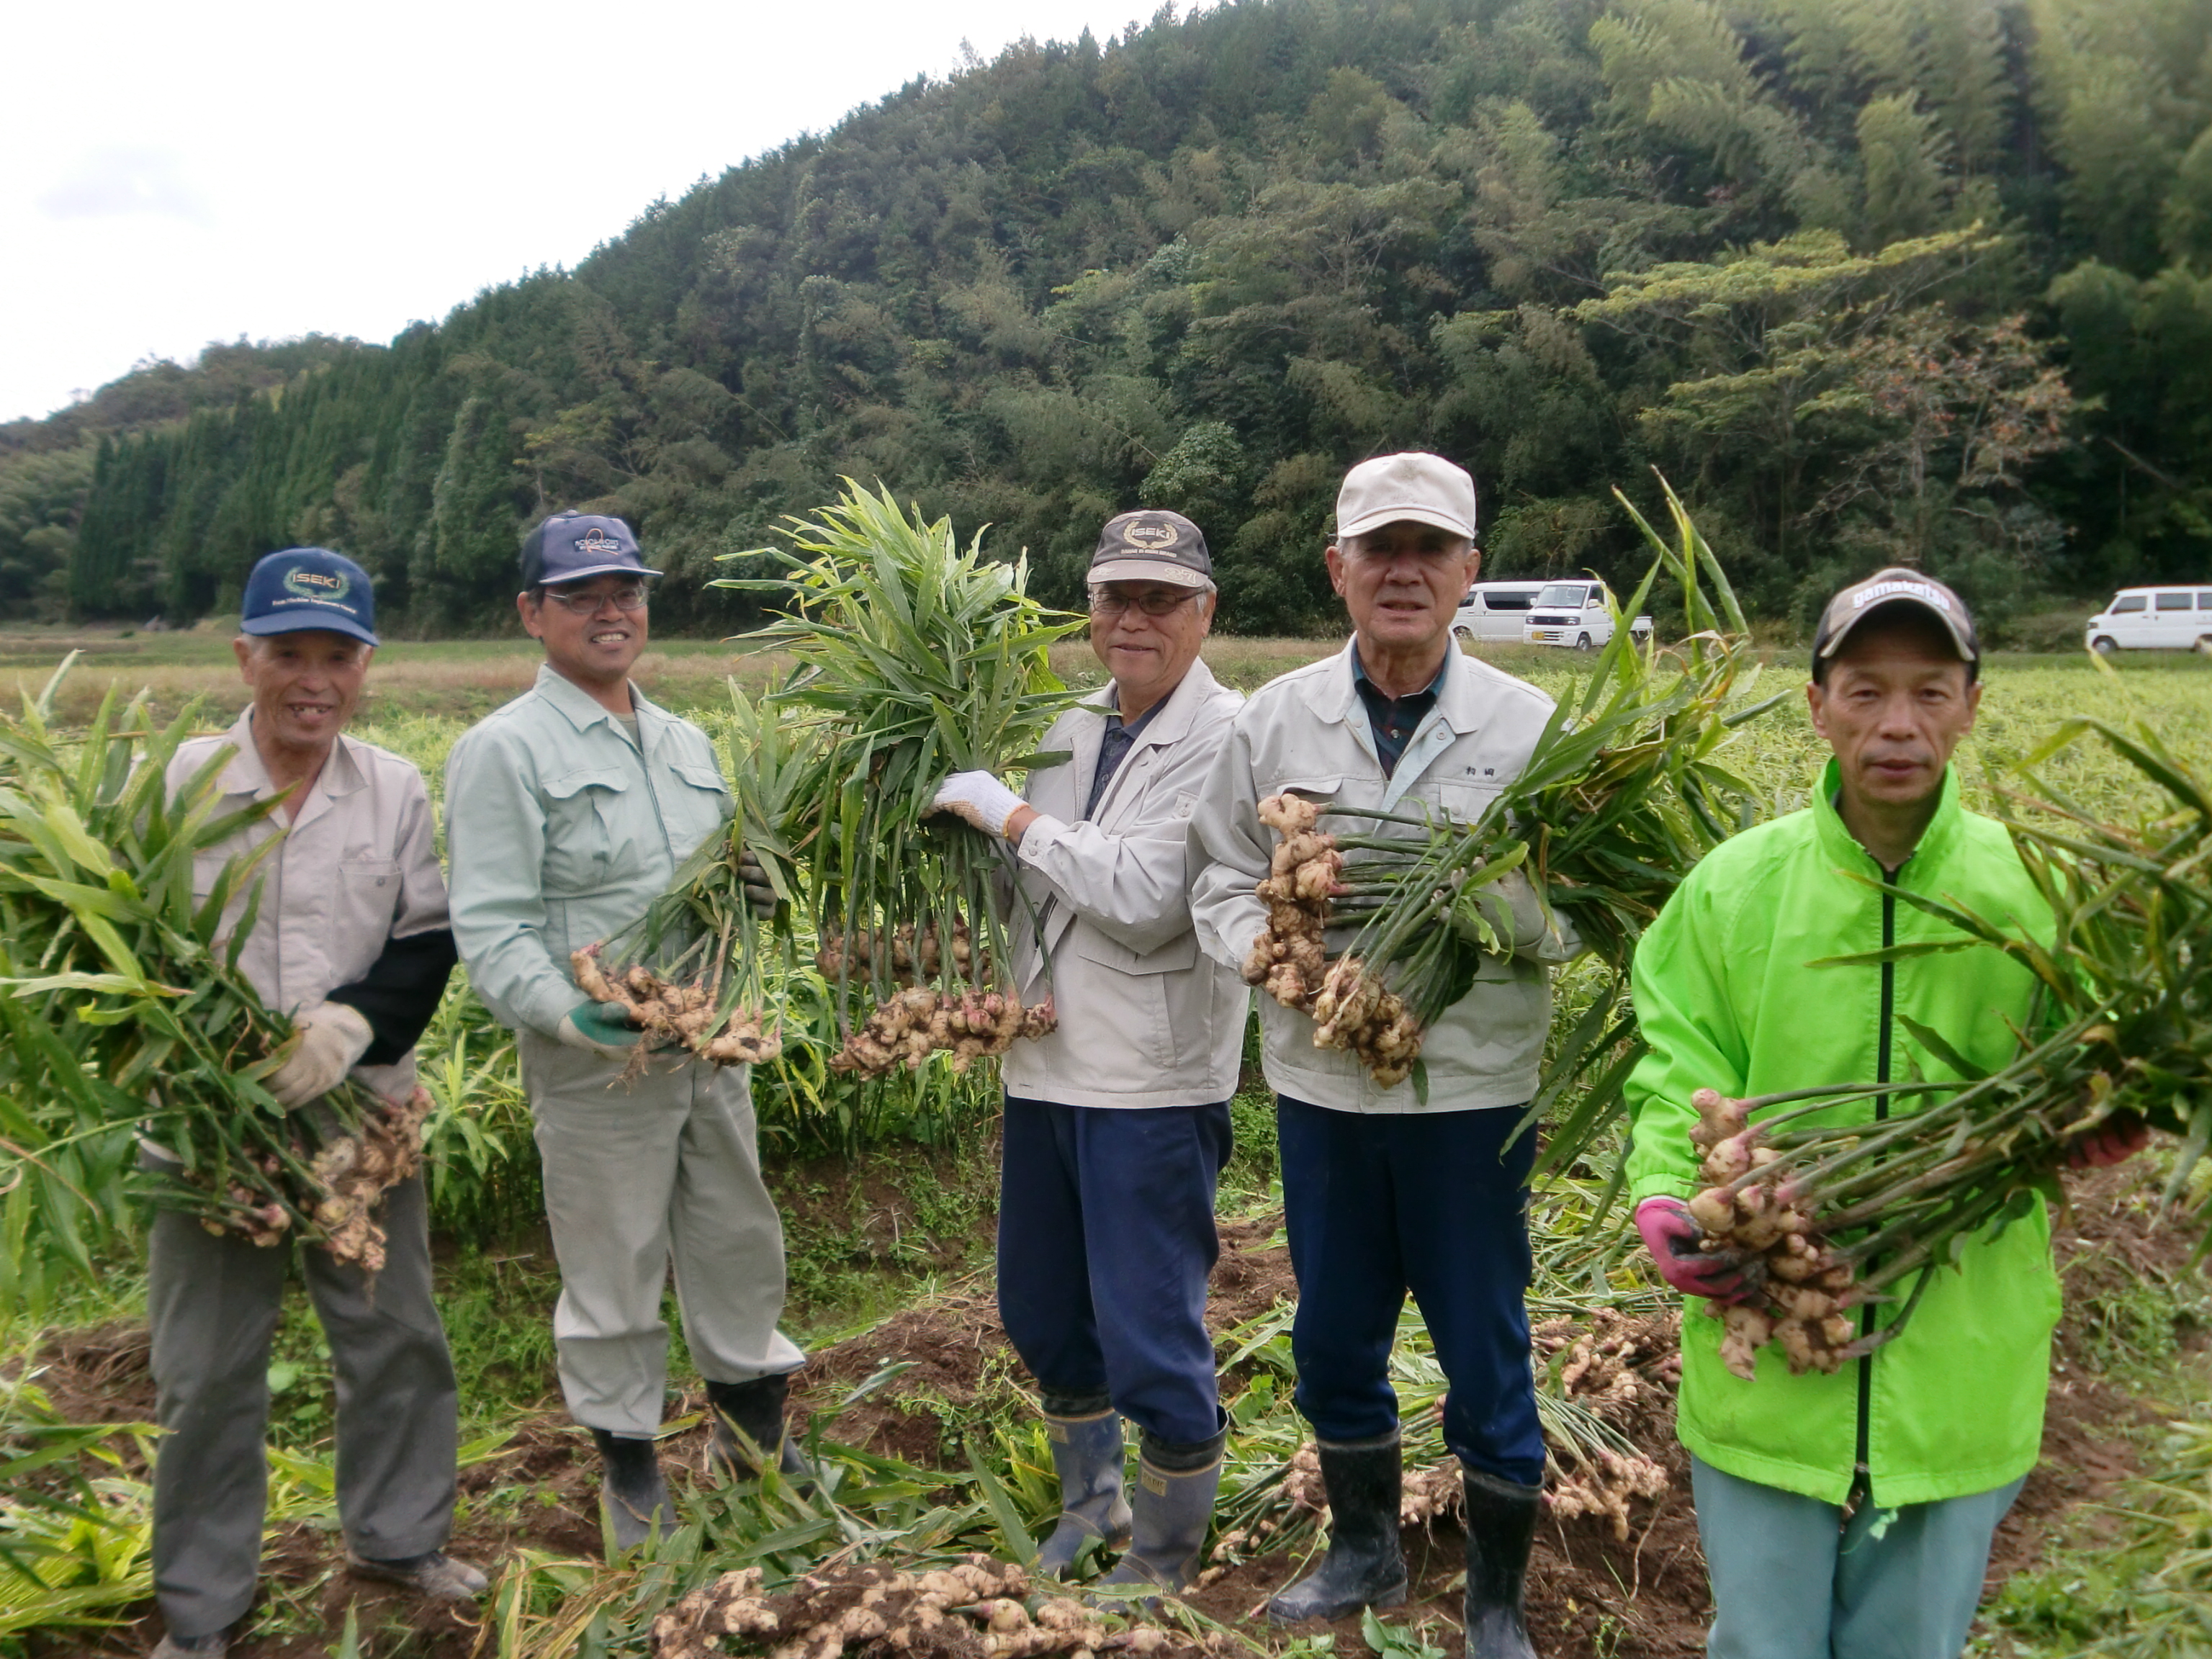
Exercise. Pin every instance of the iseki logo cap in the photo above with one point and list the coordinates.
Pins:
(571, 546)
(1151, 547)
(305, 587)
(1895, 585)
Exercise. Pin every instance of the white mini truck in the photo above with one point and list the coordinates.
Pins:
(2153, 619)
(1576, 615)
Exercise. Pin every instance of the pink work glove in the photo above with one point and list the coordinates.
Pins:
(2118, 1138)
(1672, 1238)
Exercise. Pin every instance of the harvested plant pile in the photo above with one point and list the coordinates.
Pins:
(1623, 792)
(691, 974)
(917, 658)
(1833, 1214)
(978, 1609)
(127, 1009)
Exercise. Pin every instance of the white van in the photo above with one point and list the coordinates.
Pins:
(1574, 615)
(1495, 610)
(2155, 619)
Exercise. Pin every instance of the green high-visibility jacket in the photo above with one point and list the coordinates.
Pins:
(1728, 998)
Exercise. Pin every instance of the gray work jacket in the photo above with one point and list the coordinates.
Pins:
(1146, 1019)
(560, 831)
(357, 867)
(1307, 731)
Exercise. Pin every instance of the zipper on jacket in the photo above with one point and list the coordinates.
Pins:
(1863, 1472)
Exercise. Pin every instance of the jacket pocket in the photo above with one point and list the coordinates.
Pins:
(1092, 945)
(1313, 786)
(695, 805)
(582, 809)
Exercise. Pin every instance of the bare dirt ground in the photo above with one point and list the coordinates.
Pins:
(1592, 1594)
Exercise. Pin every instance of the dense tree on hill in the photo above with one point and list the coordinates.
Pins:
(1874, 279)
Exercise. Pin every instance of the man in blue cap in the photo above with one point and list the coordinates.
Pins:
(352, 942)
(566, 813)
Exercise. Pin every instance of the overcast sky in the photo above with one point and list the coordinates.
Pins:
(195, 172)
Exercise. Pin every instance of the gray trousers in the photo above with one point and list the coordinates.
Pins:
(213, 1303)
(662, 1168)
(1792, 1581)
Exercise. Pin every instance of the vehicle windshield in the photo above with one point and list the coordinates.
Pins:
(1569, 594)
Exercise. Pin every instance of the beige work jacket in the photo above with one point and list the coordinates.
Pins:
(1307, 732)
(358, 867)
(1146, 1019)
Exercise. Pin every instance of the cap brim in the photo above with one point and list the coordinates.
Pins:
(590, 571)
(1148, 570)
(305, 621)
(1436, 517)
(1951, 627)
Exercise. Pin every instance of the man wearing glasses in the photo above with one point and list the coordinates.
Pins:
(1117, 1123)
(567, 812)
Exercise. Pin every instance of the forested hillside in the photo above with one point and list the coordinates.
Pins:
(1926, 280)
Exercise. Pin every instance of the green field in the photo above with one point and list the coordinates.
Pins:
(888, 1201)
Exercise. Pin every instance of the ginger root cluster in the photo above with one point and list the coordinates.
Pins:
(919, 1022)
(915, 955)
(351, 1175)
(669, 1013)
(1354, 1010)
(1806, 1291)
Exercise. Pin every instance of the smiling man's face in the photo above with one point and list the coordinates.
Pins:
(593, 631)
(306, 685)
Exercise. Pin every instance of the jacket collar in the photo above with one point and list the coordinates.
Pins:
(1335, 693)
(582, 710)
(1172, 721)
(245, 773)
(1840, 844)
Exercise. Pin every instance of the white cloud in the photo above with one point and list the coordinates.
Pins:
(269, 170)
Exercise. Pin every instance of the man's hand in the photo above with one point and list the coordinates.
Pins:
(2118, 1138)
(978, 798)
(1672, 1238)
(760, 895)
(333, 1039)
(1511, 908)
(604, 1029)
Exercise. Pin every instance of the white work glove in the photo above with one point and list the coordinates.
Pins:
(1510, 905)
(599, 1028)
(979, 798)
(333, 1039)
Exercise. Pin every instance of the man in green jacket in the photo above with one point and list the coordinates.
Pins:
(568, 811)
(1849, 1514)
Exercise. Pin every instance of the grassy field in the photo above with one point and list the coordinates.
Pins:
(889, 1228)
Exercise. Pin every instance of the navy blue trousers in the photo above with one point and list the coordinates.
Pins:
(1432, 1202)
(1105, 1240)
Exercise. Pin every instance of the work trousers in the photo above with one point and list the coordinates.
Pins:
(661, 1167)
(1379, 1204)
(1105, 1240)
(1793, 1580)
(212, 1300)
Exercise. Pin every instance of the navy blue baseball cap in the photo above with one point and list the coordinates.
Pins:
(305, 587)
(571, 546)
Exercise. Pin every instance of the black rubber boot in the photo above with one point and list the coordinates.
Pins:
(1087, 1454)
(1173, 1506)
(756, 1407)
(631, 1491)
(1365, 1566)
(1501, 1523)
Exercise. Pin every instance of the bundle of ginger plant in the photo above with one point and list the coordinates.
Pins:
(1622, 794)
(124, 1011)
(916, 658)
(1831, 1215)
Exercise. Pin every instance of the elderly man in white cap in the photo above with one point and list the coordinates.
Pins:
(1387, 1190)
(1117, 1122)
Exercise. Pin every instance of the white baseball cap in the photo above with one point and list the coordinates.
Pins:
(1390, 489)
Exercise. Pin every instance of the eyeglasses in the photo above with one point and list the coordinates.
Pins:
(1105, 603)
(631, 596)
